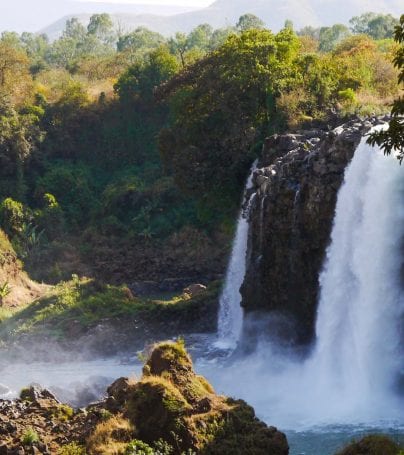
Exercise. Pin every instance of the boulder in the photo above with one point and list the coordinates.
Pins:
(195, 289)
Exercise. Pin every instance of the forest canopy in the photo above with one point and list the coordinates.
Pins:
(131, 135)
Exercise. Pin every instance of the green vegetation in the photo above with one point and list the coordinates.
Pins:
(72, 449)
(114, 149)
(393, 138)
(372, 445)
(29, 437)
(79, 305)
(162, 414)
(5, 290)
(63, 413)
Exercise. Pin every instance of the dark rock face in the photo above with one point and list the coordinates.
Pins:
(290, 225)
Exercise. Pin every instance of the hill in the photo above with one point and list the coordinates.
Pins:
(272, 12)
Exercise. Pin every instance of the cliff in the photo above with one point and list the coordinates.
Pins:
(291, 219)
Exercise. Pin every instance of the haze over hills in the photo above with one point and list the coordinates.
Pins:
(272, 12)
(33, 15)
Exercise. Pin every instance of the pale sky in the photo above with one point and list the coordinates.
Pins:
(33, 15)
(191, 3)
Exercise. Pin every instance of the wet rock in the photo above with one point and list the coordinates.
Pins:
(291, 220)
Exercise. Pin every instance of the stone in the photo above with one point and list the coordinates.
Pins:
(290, 232)
(195, 289)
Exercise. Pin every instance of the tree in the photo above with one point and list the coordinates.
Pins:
(142, 39)
(12, 39)
(179, 45)
(310, 31)
(219, 106)
(15, 80)
(200, 37)
(139, 81)
(220, 35)
(330, 36)
(249, 21)
(378, 26)
(74, 29)
(392, 139)
(102, 27)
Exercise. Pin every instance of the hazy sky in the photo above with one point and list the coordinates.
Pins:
(33, 15)
(191, 3)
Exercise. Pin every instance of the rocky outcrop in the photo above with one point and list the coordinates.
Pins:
(169, 410)
(291, 219)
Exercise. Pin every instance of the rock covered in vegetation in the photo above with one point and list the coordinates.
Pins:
(38, 423)
(372, 445)
(291, 220)
(173, 406)
(170, 410)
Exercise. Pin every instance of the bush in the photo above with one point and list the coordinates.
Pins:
(372, 445)
(137, 447)
(13, 216)
(347, 96)
(72, 449)
(29, 437)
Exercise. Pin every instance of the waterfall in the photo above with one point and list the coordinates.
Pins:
(230, 312)
(354, 372)
(361, 309)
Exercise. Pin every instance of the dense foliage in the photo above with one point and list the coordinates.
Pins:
(393, 139)
(131, 136)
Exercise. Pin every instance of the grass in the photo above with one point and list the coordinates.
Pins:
(63, 413)
(5, 314)
(107, 437)
(5, 245)
(72, 449)
(84, 303)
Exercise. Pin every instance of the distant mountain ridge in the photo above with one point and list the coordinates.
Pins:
(272, 12)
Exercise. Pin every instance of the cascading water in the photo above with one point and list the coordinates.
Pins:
(231, 313)
(352, 375)
(359, 351)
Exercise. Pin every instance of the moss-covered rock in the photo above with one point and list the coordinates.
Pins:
(157, 409)
(372, 445)
(174, 404)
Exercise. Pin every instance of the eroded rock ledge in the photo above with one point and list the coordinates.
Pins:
(291, 220)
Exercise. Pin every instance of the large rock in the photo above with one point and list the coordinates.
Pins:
(291, 221)
(171, 403)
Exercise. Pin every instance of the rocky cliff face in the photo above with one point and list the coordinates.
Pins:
(291, 220)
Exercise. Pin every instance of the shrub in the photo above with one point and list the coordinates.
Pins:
(29, 437)
(137, 447)
(72, 449)
(347, 95)
(63, 412)
(5, 290)
(372, 445)
(12, 216)
(110, 437)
